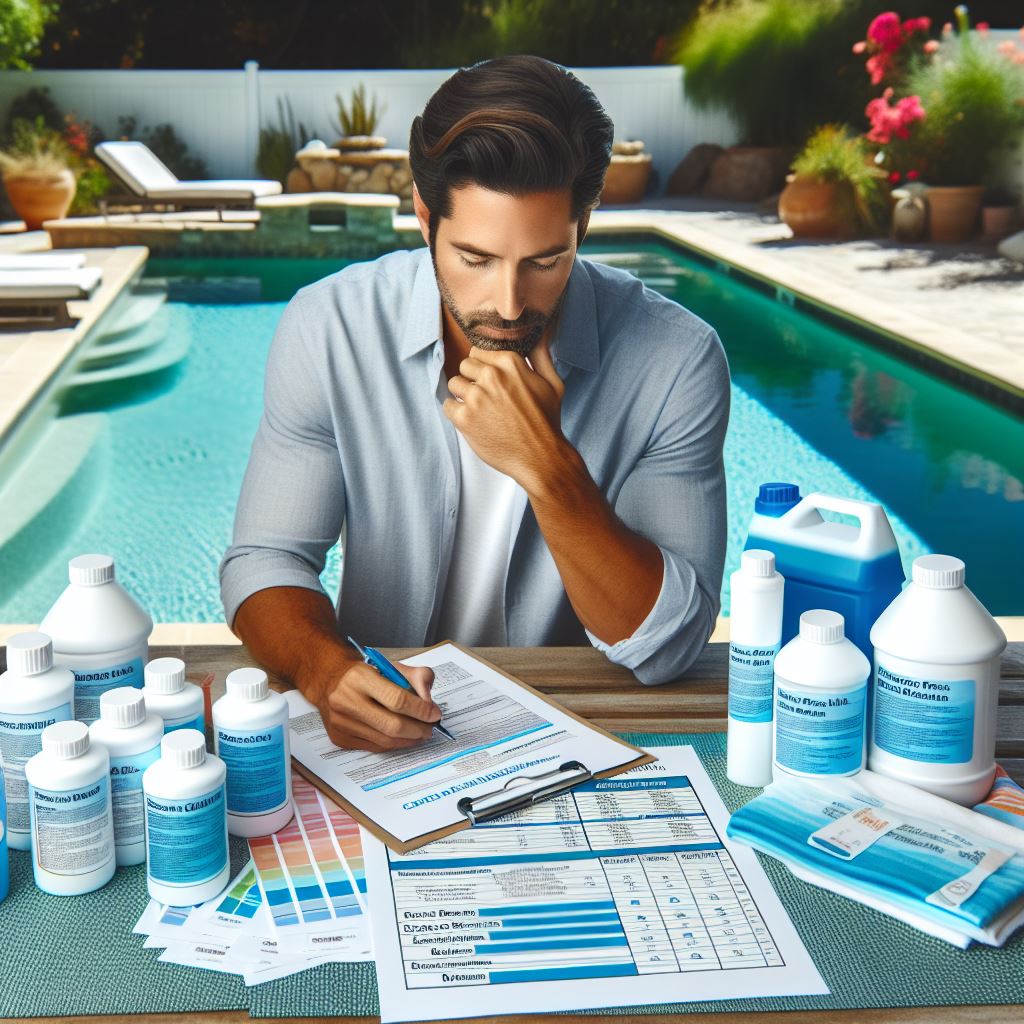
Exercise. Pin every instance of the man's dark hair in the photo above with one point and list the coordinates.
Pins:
(515, 125)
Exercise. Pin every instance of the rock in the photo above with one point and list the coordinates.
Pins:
(341, 179)
(401, 178)
(298, 181)
(322, 174)
(628, 147)
(692, 171)
(1012, 247)
(746, 174)
(379, 179)
(356, 179)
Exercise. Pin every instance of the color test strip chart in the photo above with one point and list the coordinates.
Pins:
(243, 899)
(302, 869)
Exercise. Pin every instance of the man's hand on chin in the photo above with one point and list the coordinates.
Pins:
(510, 413)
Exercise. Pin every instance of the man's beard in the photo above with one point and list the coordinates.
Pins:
(533, 323)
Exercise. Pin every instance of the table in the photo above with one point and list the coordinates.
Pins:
(584, 681)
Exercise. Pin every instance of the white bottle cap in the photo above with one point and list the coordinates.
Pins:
(757, 563)
(248, 684)
(938, 572)
(91, 570)
(28, 654)
(184, 748)
(165, 675)
(66, 740)
(822, 627)
(123, 707)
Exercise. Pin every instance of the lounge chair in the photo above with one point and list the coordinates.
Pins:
(151, 183)
(39, 298)
(41, 260)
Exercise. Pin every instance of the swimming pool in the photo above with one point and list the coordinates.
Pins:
(156, 462)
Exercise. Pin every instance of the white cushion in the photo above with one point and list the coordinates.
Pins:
(216, 189)
(41, 260)
(137, 164)
(49, 284)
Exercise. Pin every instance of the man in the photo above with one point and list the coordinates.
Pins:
(518, 446)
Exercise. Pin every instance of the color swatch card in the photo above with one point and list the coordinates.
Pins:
(312, 879)
(624, 891)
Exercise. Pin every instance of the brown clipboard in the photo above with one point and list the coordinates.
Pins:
(404, 846)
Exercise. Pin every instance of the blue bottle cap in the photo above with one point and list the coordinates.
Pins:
(777, 498)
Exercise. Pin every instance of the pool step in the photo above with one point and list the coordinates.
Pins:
(144, 302)
(125, 344)
(153, 359)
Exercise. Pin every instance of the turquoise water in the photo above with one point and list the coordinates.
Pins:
(810, 404)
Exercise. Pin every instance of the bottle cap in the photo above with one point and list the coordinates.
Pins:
(184, 748)
(123, 707)
(28, 654)
(248, 684)
(776, 498)
(822, 627)
(165, 675)
(938, 572)
(66, 740)
(756, 562)
(91, 570)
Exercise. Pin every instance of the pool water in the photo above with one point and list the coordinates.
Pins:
(811, 404)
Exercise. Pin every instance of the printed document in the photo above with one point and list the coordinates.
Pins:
(623, 892)
(503, 732)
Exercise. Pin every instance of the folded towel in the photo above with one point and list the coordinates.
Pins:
(1005, 801)
(910, 860)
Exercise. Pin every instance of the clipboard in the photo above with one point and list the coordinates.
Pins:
(518, 792)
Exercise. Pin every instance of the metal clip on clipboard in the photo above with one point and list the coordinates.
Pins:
(523, 791)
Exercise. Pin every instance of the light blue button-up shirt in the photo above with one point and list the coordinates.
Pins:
(353, 435)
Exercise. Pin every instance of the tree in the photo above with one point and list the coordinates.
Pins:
(22, 23)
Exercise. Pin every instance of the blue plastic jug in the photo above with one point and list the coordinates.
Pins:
(853, 570)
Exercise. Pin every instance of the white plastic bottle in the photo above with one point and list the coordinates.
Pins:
(821, 684)
(99, 631)
(178, 703)
(186, 822)
(250, 728)
(132, 738)
(936, 685)
(33, 695)
(755, 631)
(70, 812)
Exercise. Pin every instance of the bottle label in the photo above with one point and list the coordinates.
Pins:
(930, 720)
(199, 722)
(751, 680)
(20, 739)
(257, 766)
(126, 795)
(186, 840)
(92, 683)
(71, 833)
(820, 732)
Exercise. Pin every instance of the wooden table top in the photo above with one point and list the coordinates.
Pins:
(584, 681)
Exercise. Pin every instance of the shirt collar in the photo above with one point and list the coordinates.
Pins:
(575, 338)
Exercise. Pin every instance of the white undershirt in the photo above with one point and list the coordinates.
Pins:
(491, 505)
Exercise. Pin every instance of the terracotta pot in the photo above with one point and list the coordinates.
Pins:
(39, 199)
(997, 222)
(626, 180)
(812, 209)
(953, 212)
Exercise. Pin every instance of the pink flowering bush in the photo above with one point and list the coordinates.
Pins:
(889, 44)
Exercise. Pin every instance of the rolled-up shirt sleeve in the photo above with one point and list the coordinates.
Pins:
(292, 503)
(676, 498)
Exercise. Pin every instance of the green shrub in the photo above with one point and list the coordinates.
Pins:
(360, 118)
(21, 28)
(279, 144)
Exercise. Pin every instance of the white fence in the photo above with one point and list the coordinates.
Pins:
(219, 113)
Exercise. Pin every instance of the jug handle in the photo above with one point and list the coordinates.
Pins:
(874, 526)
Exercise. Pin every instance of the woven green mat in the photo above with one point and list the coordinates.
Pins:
(78, 956)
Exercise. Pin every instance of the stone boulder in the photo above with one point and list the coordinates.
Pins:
(746, 174)
(692, 171)
(1012, 248)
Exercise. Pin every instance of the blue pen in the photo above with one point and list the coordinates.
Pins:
(376, 660)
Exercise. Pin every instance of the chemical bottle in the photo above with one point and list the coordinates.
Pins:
(70, 812)
(853, 570)
(936, 685)
(33, 695)
(821, 683)
(250, 728)
(99, 632)
(132, 738)
(186, 822)
(5, 871)
(178, 703)
(755, 629)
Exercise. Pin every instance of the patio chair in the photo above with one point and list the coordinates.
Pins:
(39, 298)
(151, 183)
(41, 260)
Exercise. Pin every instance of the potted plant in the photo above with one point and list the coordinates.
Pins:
(628, 173)
(998, 213)
(36, 174)
(358, 121)
(835, 190)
